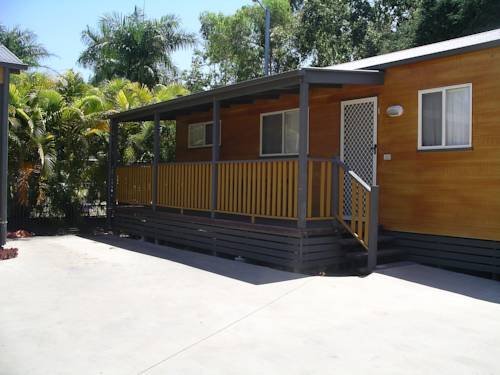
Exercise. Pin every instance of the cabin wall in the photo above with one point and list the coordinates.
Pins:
(1, 75)
(240, 125)
(448, 193)
(453, 193)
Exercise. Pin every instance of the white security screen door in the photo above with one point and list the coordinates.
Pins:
(358, 141)
(358, 137)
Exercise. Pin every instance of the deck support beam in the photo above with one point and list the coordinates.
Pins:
(112, 160)
(156, 159)
(303, 141)
(215, 154)
(4, 154)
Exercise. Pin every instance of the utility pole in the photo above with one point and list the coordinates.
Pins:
(267, 49)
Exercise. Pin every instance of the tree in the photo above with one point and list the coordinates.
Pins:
(233, 45)
(133, 47)
(439, 20)
(334, 31)
(24, 44)
(59, 138)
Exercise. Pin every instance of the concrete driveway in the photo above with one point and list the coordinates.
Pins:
(70, 305)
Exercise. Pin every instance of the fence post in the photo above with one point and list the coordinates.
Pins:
(373, 229)
(215, 154)
(303, 140)
(156, 158)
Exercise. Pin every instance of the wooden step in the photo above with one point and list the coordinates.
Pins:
(381, 254)
(353, 242)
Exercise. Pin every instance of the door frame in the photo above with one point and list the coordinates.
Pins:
(374, 100)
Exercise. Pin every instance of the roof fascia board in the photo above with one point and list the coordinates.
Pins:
(344, 77)
(15, 68)
(436, 55)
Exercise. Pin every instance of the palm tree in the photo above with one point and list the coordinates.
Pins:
(134, 48)
(59, 138)
(31, 145)
(23, 43)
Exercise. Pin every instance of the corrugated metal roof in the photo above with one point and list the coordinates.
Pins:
(441, 49)
(8, 58)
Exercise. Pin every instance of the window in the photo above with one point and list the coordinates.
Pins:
(200, 135)
(280, 133)
(445, 117)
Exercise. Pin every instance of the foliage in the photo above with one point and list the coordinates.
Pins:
(134, 48)
(24, 44)
(438, 20)
(334, 30)
(233, 45)
(59, 136)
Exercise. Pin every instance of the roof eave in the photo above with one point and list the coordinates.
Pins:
(14, 68)
(285, 80)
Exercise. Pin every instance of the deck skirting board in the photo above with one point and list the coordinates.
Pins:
(289, 248)
(452, 252)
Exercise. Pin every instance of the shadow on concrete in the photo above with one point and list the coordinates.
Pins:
(249, 273)
(455, 282)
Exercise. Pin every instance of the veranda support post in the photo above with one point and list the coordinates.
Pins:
(302, 183)
(112, 159)
(4, 154)
(215, 154)
(156, 159)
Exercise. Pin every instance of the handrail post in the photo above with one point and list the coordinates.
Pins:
(215, 154)
(373, 229)
(112, 160)
(335, 187)
(303, 123)
(156, 159)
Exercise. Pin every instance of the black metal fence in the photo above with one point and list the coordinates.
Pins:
(85, 217)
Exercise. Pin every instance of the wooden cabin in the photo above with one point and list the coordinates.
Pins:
(316, 167)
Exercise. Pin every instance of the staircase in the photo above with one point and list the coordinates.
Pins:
(357, 256)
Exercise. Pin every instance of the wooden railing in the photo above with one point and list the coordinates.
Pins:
(258, 188)
(134, 184)
(319, 189)
(261, 188)
(354, 205)
(185, 185)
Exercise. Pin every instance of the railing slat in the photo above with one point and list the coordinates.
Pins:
(268, 189)
(354, 195)
(322, 189)
(360, 213)
(295, 188)
(367, 218)
(329, 189)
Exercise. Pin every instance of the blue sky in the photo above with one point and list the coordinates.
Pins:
(58, 23)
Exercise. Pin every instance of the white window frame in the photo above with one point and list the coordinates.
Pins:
(443, 90)
(205, 123)
(282, 132)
